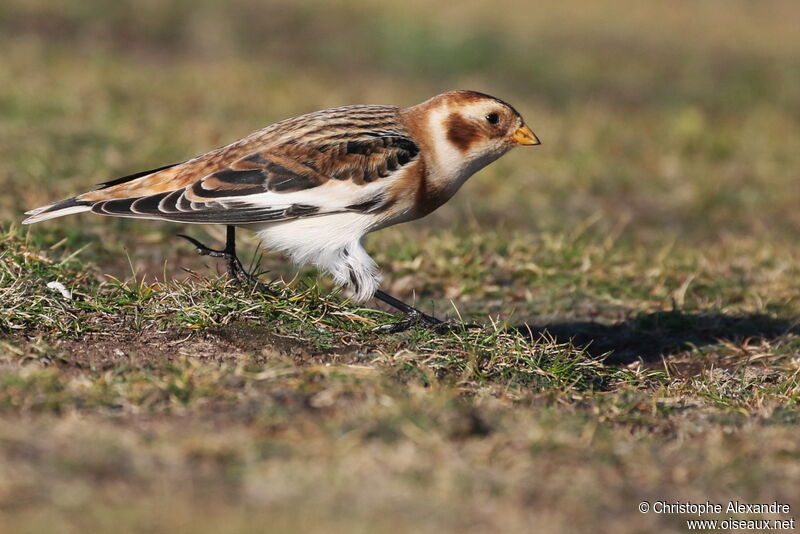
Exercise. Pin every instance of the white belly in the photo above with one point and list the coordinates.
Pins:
(308, 238)
(330, 242)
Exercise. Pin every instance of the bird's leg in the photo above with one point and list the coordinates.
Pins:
(235, 269)
(413, 315)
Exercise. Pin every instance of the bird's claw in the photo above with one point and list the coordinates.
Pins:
(236, 270)
(423, 321)
(414, 319)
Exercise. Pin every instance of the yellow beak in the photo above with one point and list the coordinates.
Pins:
(524, 136)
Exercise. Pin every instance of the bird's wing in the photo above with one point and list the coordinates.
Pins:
(349, 175)
(312, 167)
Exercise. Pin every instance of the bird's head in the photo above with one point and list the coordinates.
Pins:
(470, 129)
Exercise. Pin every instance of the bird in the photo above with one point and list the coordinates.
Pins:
(313, 186)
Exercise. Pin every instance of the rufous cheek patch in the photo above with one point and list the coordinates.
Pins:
(461, 132)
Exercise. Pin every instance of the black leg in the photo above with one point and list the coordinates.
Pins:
(235, 269)
(413, 315)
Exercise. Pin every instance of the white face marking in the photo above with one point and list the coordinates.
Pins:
(446, 155)
(452, 166)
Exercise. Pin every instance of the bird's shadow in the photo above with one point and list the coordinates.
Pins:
(650, 337)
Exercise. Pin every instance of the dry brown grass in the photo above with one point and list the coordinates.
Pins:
(636, 276)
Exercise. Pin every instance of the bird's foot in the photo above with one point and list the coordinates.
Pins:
(425, 322)
(236, 270)
(414, 319)
(440, 327)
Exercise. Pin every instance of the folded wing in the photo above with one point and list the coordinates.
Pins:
(272, 175)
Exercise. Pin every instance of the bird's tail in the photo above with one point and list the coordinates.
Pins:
(57, 209)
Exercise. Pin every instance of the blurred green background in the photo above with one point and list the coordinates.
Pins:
(664, 125)
(678, 119)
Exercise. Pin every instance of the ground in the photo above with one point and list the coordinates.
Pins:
(633, 284)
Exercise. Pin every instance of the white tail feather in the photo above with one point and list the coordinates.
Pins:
(40, 214)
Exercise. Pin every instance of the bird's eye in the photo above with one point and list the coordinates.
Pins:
(493, 118)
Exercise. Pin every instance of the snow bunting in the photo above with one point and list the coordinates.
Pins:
(313, 186)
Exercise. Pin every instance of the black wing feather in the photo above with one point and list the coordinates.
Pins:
(221, 197)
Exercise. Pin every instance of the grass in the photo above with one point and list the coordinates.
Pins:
(633, 280)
